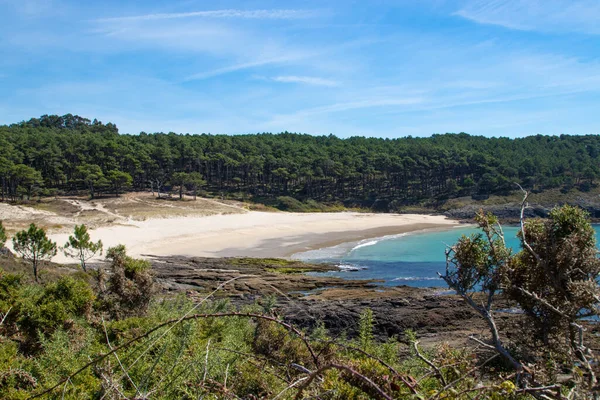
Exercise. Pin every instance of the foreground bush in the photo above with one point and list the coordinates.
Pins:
(109, 335)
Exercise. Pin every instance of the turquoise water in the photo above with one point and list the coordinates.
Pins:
(407, 259)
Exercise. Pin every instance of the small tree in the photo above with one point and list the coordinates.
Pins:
(34, 246)
(552, 278)
(473, 267)
(92, 176)
(81, 247)
(3, 237)
(195, 181)
(119, 180)
(130, 286)
(180, 179)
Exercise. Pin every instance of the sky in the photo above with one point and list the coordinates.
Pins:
(384, 68)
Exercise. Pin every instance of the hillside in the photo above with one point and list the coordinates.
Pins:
(70, 154)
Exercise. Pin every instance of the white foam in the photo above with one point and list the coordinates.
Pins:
(416, 278)
(369, 243)
(349, 267)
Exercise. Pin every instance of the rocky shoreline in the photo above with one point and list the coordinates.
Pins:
(307, 301)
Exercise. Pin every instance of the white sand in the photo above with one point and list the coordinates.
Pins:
(258, 234)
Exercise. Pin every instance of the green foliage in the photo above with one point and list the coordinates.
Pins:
(81, 247)
(57, 305)
(129, 287)
(26, 180)
(34, 246)
(92, 176)
(559, 287)
(365, 329)
(3, 236)
(119, 180)
(381, 174)
(220, 357)
(553, 279)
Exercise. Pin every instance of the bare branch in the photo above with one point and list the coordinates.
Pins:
(118, 359)
(176, 321)
(465, 375)
(377, 390)
(522, 222)
(4, 316)
(487, 316)
(482, 343)
(428, 362)
(206, 362)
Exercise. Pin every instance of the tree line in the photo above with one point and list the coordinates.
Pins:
(65, 154)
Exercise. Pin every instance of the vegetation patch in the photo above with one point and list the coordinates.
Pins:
(105, 333)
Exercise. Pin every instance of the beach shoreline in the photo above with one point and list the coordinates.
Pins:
(254, 234)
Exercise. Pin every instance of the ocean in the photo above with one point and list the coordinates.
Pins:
(411, 259)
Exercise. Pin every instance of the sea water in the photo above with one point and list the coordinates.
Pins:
(412, 259)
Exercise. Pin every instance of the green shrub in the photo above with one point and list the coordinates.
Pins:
(58, 304)
(129, 287)
(287, 203)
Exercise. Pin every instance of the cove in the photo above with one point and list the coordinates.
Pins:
(411, 259)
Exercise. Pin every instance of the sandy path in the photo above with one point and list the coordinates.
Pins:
(254, 233)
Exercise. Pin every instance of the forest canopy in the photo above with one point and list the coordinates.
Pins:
(66, 154)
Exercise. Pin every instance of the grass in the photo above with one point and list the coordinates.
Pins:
(259, 262)
(286, 270)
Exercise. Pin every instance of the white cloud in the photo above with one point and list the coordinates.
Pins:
(580, 16)
(234, 68)
(308, 80)
(231, 13)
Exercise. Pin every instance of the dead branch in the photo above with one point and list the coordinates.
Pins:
(176, 321)
(428, 362)
(118, 359)
(488, 317)
(373, 357)
(522, 223)
(381, 394)
(466, 374)
(4, 316)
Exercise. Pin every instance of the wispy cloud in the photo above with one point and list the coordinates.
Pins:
(580, 16)
(283, 120)
(242, 66)
(308, 80)
(230, 13)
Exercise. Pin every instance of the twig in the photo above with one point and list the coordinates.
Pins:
(344, 368)
(428, 362)
(117, 357)
(206, 362)
(172, 322)
(293, 384)
(522, 222)
(5, 315)
(479, 341)
(469, 372)
(367, 354)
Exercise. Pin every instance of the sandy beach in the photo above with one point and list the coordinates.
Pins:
(207, 228)
(254, 234)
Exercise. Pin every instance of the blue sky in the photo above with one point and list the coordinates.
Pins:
(374, 68)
